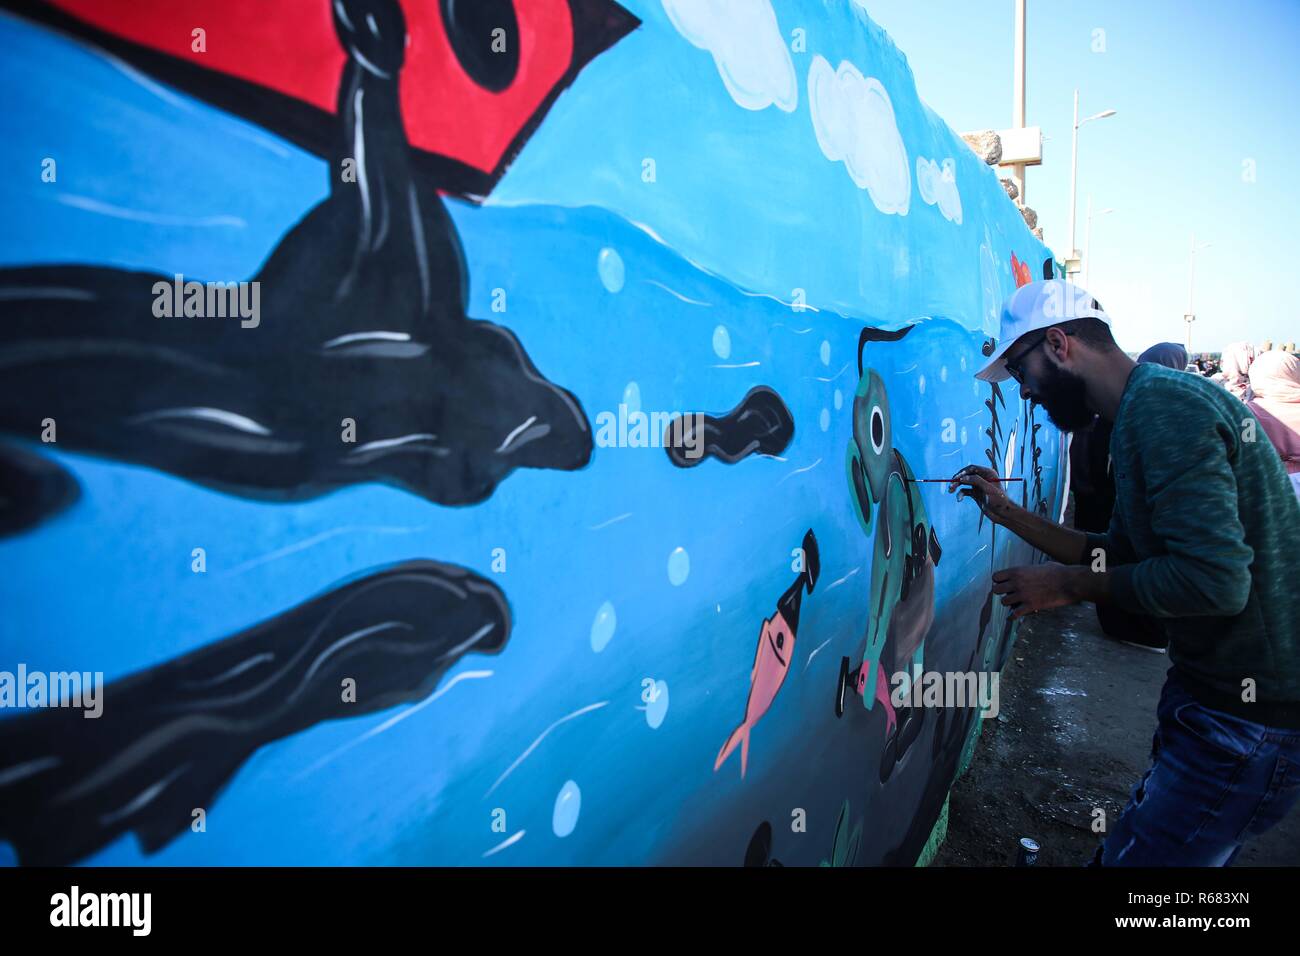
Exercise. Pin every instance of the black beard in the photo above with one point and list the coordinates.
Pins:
(1064, 396)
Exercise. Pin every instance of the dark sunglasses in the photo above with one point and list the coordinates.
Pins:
(1015, 367)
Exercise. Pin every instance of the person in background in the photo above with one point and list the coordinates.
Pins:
(1090, 478)
(1169, 354)
(1275, 382)
(1234, 367)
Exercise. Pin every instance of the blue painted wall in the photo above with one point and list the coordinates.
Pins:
(749, 258)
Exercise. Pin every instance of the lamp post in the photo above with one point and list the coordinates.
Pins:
(1087, 241)
(1018, 95)
(1074, 167)
(1022, 146)
(1190, 315)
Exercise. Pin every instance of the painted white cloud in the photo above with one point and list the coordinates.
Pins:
(854, 122)
(747, 46)
(989, 283)
(937, 184)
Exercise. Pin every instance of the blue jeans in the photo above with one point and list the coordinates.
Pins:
(1215, 780)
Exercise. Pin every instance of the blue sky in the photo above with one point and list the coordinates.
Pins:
(1199, 87)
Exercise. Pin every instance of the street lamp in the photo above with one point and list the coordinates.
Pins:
(1087, 241)
(1018, 95)
(1074, 167)
(1022, 145)
(1190, 316)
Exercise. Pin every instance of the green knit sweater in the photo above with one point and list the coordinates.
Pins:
(1206, 535)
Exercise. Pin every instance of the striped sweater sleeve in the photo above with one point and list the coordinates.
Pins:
(1191, 494)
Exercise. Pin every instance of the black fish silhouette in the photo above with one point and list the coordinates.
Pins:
(169, 738)
(760, 424)
(759, 850)
(32, 488)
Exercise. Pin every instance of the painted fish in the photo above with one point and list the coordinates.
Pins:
(773, 655)
(904, 555)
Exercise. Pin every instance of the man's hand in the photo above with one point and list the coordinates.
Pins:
(982, 486)
(1037, 587)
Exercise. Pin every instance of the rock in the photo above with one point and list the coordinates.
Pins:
(1013, 191)
(1031, 217)
(1038, 233)
(987, 145)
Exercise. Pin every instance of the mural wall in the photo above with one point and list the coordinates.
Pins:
(491, 433)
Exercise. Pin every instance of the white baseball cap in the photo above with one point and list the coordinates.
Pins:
(1038, 305)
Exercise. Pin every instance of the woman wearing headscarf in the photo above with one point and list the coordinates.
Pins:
(1169, 354)
(1235, 369)
(1275, 382)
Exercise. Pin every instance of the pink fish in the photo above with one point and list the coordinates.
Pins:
(857, 678)
(882, 694)
(773, 656)
(771, 664)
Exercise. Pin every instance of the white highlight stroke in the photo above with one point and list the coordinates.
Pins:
(394, 720)
(542, 736)
(507, 842)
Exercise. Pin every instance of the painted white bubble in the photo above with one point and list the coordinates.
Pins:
(921, 384)
(610, 266)
(826, 352)
(568, 804)
(657, 709)
(963, 363)
(943, 373)
(602, 628)
(839, 399)
(825, 420)
(975, 387)
(963, 434)
(722, 342)
(679, 567)
(632, 397)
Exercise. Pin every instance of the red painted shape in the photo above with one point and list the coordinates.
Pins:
(455, 116)
(1021, 271)
(290, 46)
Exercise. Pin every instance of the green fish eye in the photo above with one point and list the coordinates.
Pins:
(871, 431)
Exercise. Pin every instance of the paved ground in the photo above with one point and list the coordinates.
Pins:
(1074, 734)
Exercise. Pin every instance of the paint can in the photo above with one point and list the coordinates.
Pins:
(1027, 852)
